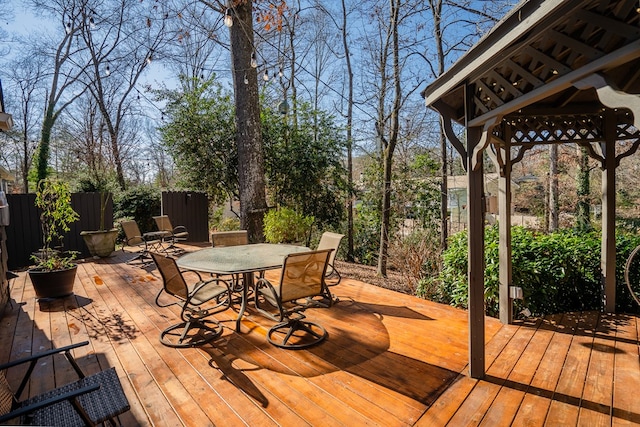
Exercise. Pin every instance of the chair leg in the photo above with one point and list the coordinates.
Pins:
(190, 333)
(325, 300)
(142, 256)
(330, 277)
(304, 333)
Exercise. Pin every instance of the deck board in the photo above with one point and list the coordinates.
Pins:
(390, 360)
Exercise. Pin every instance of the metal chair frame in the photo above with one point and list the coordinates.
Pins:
(173, 234)
(231, 238)
(302, 277)
(195, 329)
(135, 239)
(91, 400)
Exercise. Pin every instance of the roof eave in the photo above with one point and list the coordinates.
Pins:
(524, 17)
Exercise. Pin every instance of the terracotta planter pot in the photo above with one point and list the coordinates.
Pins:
(53, 284)
(100, 243)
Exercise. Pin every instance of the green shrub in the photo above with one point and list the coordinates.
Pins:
(228, 224)
(558, 272)
(219, 222)
(285, 225)
(139, 203)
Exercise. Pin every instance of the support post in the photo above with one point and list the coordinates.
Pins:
(475, 221)
(608, 252)
(504, 225)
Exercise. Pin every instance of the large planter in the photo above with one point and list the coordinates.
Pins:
(100, 243)
(53, 284)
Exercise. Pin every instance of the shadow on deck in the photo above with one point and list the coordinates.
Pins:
(390, 359)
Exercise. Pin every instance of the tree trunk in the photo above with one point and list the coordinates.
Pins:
(436, 11)
(350, 196)
(42, 162)
(385, 219)
(251, 182)
(390, 144)
(115, 151)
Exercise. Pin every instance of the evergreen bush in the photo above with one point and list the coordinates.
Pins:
(285, 225)
(558, 272)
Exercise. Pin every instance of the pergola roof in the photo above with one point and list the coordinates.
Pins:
(543, 60)
(550, 72)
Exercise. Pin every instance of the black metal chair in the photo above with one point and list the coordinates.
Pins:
(195, 329)
(302, 277)
(92, 400)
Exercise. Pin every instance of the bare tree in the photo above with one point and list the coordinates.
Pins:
(349, 116)
(198, 48)
(122, 38)
(388, 137)
(390, 48)
(25, 78)
(63, 73)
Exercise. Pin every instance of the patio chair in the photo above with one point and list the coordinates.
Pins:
(302, 276)
(89, 401)
(229, 238)
(330, 240)
(195, 329)
(135, 242)
(173, 234)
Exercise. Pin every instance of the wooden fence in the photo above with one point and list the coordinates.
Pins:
(24, 236)
(189, 209)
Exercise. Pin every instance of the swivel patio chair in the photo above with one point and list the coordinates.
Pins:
(135, 242)
(89, 401)
(302, 277)
(330, 240)
(231, 238)
(173, 234)
(195, 329)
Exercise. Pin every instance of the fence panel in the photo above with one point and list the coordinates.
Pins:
(189, 209)
(24, 234)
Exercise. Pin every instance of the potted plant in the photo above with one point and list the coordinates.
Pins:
(102, 242)
(55, 270)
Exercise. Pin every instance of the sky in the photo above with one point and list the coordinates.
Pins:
(25, 21)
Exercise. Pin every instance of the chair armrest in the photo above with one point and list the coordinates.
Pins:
(204, 283)
(48, 402)
(34, 358)
(184, 271)
(41, 355)
(179, 229)
(140, 240)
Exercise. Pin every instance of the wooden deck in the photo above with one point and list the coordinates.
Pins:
(390, 360)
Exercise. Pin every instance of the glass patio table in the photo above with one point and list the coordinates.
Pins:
(242, 259)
